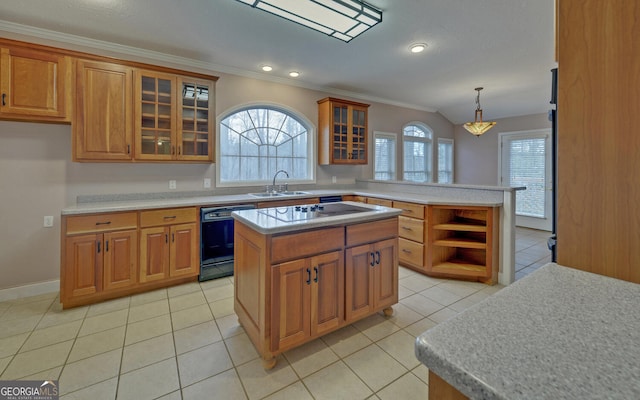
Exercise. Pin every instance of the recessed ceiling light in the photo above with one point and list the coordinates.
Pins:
(418, 47)
(294, 74)
(267, 68)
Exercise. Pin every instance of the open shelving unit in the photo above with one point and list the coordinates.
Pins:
(463, 242)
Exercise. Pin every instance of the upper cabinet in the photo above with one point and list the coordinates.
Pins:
(342, 132)
(173, 117)
(103, 122)
(35, 85)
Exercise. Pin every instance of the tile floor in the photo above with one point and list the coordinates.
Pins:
(185, 343)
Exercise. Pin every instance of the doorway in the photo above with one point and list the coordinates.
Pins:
(525, 160)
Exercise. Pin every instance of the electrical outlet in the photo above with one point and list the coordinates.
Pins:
(333, 179)
(172, 184)
(48, 221)
(207, 183)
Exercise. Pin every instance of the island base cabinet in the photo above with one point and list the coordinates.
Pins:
(307, 299)
(371, 279)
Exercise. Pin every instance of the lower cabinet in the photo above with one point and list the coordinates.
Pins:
(169, 250)
(309, 294)
(111, 255)
(291, 288)
(371, 279)
(99, 255)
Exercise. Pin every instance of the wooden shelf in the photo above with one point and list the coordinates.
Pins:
(466, 243)
(460, 267)
(458, 226)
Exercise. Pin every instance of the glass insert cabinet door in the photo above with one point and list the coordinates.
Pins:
(195, 120)
(155, 116)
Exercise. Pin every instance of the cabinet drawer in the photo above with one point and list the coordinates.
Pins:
(410, 252)
(101, 223)
(168, 216)
(411, 228)
(379, 202)
(302, 244)
(410, 209)
(370, 232)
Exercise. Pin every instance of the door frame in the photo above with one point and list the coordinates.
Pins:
(544, 223)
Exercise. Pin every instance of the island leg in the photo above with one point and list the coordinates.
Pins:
(388, 311)
(268, 361)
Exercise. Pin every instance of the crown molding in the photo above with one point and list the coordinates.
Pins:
(60, 39)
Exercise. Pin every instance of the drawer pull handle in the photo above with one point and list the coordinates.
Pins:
(103, 223)
(406, 228)
(407, 210)
(406, 251)
(170, 217)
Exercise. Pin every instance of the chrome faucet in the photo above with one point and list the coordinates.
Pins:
(274, 178)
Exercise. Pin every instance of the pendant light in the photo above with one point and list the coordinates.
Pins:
(477, 127)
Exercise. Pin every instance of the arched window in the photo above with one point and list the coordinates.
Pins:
(417, 152)
(257, 141)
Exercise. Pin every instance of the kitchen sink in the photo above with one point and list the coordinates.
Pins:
(277, 194)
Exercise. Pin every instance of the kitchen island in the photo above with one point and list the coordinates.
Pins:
(304, 271)
(559, 333)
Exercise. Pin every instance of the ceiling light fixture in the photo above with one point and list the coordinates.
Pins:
(418, 47)
(341, 19)
(267, 68)
(294, 74)
(477, 127)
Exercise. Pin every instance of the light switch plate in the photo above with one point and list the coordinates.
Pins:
(207, 183)
(172, 184)
(48, 221)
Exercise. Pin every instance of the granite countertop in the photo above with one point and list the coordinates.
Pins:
(285, 219)
(142, 202)
(559, 333)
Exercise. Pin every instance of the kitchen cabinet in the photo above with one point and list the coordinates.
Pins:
(99, 256)
(169, 244)
(371, 279)
(342, 132)
(173, 117)
(411, 235)
(35, 85)
(103, 122)
(304, 281)
(309, 297)
(463, 242)
(598, 103)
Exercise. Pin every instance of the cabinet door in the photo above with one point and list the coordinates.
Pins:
(184, 250)
(385, 273)
(154, 253)
(120, 259)
(327, 292)
(83, 265)
(358, 135)
(360, 261)
(291, 285)
(195, 122)
(103, 124)
(34, 83)
(340, 133)
(155, 111)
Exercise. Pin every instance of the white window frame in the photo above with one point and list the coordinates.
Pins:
(393, 155)
(452, 161)
(428, 139)
(298, 116)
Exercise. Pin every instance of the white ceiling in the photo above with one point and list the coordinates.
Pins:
(506, 46)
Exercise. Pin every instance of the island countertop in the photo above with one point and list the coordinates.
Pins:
(559, 333)
(286, 219)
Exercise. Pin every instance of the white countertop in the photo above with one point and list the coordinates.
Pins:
(559, 333)
(266, 220)
(141, 203)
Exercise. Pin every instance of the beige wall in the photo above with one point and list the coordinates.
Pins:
(476, 158)
(37, 177)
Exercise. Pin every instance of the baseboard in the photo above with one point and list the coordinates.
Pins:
(33, 289)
